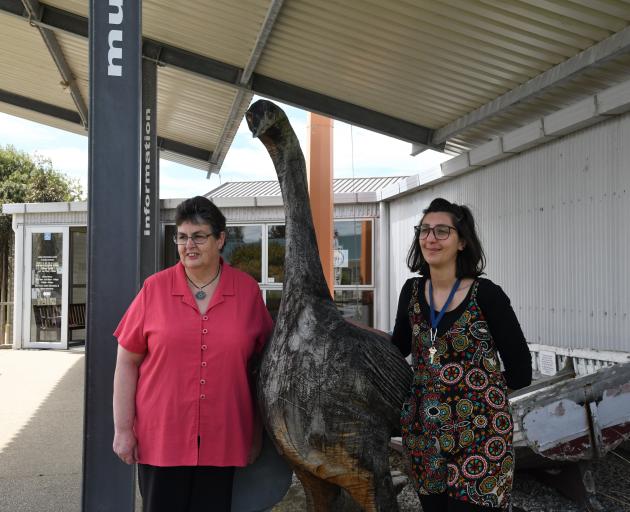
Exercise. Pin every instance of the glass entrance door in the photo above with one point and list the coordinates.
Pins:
(46, 285)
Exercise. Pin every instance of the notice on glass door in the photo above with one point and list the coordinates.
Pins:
(47, 279)
(47, 268)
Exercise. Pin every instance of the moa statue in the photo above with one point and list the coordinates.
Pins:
(330, 392)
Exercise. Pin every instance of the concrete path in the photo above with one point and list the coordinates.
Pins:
(41, 422)
(41, 433)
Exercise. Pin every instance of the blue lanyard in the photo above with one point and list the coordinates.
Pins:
(436, 321)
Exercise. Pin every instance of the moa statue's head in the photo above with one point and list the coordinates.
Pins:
(264, 119)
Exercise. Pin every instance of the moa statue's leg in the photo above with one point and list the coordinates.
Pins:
(385, 494)
(320, 494)
(378, 493)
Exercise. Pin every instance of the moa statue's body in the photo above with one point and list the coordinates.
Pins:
(331, 392)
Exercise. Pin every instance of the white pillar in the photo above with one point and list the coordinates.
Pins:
(18, 280)
(383, 321)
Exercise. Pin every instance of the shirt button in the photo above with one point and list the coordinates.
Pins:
(204, 364)
(205, 331)
(205, 317)
(202, 381)
(203, 397)
(204, 347)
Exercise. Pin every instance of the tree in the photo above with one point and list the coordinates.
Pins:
(26, 179)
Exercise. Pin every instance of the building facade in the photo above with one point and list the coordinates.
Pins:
(552, 219)
(51, 242)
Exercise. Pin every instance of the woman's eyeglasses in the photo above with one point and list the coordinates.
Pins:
(440, 231)
(197, 238)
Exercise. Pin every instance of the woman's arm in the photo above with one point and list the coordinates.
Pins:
(125, 381)
(507, 335)
(384, 334)
(401, 336)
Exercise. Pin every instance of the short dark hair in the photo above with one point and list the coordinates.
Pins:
(471, 261)
(200, 210)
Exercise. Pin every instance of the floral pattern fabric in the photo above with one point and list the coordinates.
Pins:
(456, 423)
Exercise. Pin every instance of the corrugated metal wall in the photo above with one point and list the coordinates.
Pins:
(555, 223)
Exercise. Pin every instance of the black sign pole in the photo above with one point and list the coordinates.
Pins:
(149, 177)
(113, 242)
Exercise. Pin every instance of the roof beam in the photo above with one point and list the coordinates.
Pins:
(259, 84)
(33, 8)
(12, 7)
(261, 39)
(237, 111)
(73, 117)
(592, 57)
(243, 98)
(39, 107)
(341, 110)
(184, 149)
(49, 17)
(167, 55)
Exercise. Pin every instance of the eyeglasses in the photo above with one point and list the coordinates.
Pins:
(440, 231)
(197, 238)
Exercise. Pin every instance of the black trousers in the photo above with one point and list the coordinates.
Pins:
(442, 503)
(185, 488)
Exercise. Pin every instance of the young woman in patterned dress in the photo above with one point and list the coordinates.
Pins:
(456, 423)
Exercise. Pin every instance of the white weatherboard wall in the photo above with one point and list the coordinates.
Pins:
(555, 224)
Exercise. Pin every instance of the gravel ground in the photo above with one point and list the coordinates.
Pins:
(612, 487)
(612, 480)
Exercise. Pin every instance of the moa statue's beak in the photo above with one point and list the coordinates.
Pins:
(251, 123)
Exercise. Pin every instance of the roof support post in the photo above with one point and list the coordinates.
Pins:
(319, 169)
(113, 242)
(149, 175)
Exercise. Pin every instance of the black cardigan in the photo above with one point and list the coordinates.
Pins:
(502, 322)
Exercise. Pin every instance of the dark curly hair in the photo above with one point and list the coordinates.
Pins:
(471, 261)
(200, 210)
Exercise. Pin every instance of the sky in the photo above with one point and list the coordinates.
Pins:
(356, 153)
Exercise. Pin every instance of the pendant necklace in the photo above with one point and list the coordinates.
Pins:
(436, 320)
(201, 294)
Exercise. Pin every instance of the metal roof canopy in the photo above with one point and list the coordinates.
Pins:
(450, 74)
(267, 193)
(272, 187)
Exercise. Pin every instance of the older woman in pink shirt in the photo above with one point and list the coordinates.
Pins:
(183, 404)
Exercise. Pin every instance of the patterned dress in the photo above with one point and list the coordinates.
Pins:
(456, 423)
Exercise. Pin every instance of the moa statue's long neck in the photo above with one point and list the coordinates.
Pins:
(303, 269)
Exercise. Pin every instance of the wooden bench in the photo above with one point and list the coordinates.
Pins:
(48, 318)
(76, 316)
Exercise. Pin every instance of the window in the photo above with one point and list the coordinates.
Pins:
(353, 252)
(259, 250)
(354, 285)
(77, 284)
(243, 249)
(357, 305)
(275, 253)
(273, 302)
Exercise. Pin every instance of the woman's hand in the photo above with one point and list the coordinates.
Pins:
(125, 381)
(126, 446)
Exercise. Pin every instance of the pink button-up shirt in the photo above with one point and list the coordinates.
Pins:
(193, 400)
